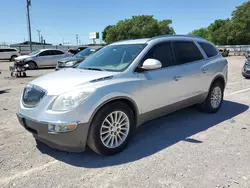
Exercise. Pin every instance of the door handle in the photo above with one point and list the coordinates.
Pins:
(204, 70)
(176, 78)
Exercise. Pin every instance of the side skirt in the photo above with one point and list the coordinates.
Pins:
(170, 108)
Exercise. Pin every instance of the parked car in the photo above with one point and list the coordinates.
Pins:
(8, 53)
(224, 52)
(77, 50)
(71, 62)
(43, 58)
(246, 68)
(102, 101)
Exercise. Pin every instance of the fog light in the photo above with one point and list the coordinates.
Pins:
(61, 128)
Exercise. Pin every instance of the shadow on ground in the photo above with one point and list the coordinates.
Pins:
(153, 137)
(4, 91)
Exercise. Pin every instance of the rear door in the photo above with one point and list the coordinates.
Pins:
(190, 62)
(2, 54)
(56, 55)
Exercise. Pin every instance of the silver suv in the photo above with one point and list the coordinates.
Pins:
(102, 101)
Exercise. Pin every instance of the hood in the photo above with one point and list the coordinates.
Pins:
(64, 80)
(67, 59)
(22, 57)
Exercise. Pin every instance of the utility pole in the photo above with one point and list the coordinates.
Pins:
(77, 39)
(28, 2)
(41, 39)
(39, 34)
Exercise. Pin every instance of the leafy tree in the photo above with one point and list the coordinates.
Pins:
(230, 31)
(142, 26)
(104, 33)
(203, 32)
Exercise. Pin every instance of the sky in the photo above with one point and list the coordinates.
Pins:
(61, 20)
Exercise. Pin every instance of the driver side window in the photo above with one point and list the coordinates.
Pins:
(163, 53)
(45, 53)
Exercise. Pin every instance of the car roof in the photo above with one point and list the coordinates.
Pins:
(159, 38)
(50, 49)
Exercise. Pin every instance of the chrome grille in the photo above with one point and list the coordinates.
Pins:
(32, 96)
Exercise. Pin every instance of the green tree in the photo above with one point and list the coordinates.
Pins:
(104, 33)
(230, 31)
(203, 32)
(142, 26)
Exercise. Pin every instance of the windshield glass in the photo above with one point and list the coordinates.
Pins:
(85, 53)
(113, 58)
(35, 52)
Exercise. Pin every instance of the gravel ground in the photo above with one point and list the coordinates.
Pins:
(185, 149)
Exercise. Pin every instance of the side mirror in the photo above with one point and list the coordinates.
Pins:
(151, 64)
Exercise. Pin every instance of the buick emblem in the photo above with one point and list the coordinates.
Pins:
(26, 91)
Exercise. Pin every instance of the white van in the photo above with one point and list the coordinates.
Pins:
(8, 53)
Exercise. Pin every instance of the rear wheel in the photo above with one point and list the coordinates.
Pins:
(13, 58)
(111, 129)
(214, 99)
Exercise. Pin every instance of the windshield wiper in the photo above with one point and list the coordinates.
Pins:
(98, 69)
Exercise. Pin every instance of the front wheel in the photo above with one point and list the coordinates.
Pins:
(214, 99)
(32, 65)
(111, 129)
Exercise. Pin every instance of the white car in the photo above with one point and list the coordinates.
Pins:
(43, 58)
(8, 53)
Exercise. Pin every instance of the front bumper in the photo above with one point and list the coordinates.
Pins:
(74, 141)
(246, 71)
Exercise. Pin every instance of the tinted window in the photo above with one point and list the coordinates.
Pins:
(45, 53)
(186, 52)
(2, 50)
(208, 49)
(57, 52)
(163, 53)
(10, 50)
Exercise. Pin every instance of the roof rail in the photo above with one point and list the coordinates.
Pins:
(162, 36)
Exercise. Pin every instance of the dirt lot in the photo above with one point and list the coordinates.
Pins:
(185, 149)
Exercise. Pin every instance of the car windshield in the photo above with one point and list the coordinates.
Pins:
(35, 52)
(85, 53)
(113, 57)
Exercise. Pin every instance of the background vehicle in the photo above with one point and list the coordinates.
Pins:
(76, 59)
(43, 58)
(8, 53)
(118, 88)
(246, 67)
(77, 50)
(224, 52)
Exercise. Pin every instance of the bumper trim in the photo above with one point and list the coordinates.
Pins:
(73, 141)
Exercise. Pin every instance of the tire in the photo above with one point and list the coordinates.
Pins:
(97, 142)
(208, 105)
(13, 57)
(32, 65)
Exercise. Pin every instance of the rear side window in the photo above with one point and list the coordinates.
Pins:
(163, 53)
(10, 50)
(186, 52)
(57, 52)
(208, 49)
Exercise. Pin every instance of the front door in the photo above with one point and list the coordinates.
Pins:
(159, 88)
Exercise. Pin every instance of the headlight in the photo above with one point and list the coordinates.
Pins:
(247, 62)
(70, 63)
(70, 100)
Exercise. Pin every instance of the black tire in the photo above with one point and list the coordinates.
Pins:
(94, 136)
(206, 106)
(13, 57)
(32, 65)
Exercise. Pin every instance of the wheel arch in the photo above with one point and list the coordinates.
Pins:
(127, 100)
(219, 78)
